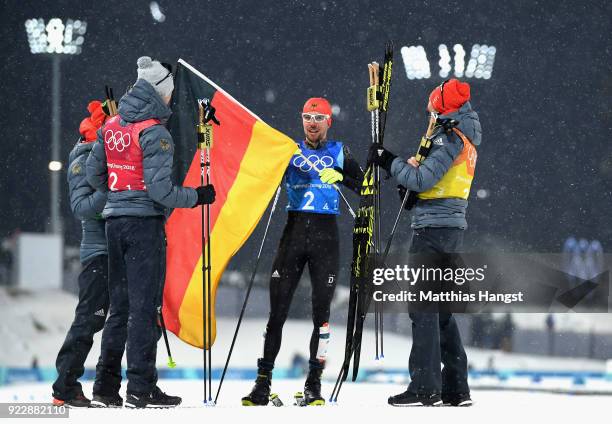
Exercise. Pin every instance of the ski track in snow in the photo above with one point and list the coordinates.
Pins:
(359, 402)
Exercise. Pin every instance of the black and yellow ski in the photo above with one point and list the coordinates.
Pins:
(366, 232)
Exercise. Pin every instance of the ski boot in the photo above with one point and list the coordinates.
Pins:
(155, 399)
(103, 401)
(260, 395)
(78, 401)
(409, 398)
(458, 399)
(312, 388)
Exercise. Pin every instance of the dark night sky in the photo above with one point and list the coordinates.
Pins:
(546, 115)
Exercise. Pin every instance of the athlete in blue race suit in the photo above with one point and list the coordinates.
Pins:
(310, 237)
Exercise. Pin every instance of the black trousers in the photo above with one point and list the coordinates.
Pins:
(136, 266)
(435, 336)
(308, 238)
(89, 318)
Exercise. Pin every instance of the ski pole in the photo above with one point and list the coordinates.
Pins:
(209, 281)
(171, 363)
(342, 375)
(248, 293)
(201, 145)
(348, 205)
(422, 152)
(206, 113)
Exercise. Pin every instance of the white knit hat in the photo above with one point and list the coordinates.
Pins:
(154, 73)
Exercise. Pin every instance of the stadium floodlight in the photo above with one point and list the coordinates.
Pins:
(55, 39)
(444, 62)
(415, 62)
(482, 58)
(459, 60)
(479, 65)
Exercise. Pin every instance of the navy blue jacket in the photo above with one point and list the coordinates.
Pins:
(86, 204)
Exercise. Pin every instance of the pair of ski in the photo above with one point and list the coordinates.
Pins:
(366, 232)
(299, 399)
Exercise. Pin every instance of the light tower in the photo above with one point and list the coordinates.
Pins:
(55, 39)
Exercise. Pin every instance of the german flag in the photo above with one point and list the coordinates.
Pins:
(248, 159)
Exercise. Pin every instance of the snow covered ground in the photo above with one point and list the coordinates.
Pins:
(359, 403)
(34, 326)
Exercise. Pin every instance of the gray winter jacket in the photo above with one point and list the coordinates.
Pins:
(86, 204)
(139, 104)
(439, 212)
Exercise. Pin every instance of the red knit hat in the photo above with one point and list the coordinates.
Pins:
(90, 125)
(449, 96)
(318, 105)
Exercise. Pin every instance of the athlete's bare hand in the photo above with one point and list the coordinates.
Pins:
(412, 161)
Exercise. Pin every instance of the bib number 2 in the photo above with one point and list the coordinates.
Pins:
(309, 196)
(112, 179)
(112, 182)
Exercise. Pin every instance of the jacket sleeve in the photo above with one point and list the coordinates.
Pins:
(443, 153)
(97, 172)
(158, 151)
(353, 175)
(85, 202)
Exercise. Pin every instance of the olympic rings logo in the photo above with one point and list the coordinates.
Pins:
(313, 162)
(117, 140)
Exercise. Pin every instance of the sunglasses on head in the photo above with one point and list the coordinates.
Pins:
(442, 92)
(314, 117)
(169, 69)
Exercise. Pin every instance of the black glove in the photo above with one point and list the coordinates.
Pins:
(381, 156)
(206, 195)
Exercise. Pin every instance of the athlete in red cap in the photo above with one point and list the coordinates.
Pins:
(442, 182)
(310, 237)
(90, 314)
